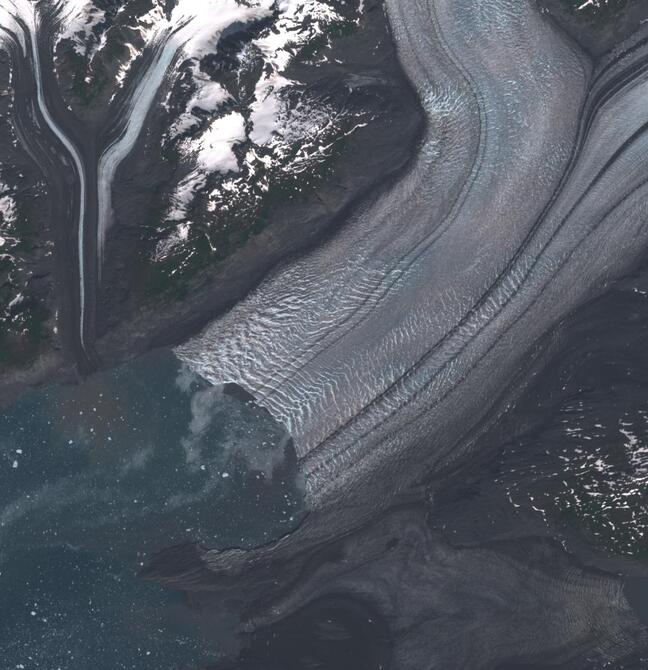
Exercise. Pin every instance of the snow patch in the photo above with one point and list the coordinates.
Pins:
(175, 240)
(213, 152)
(266, 108)
(78, 20)
(298, 24)
(7, 207)
(215, 146)
(203, 21)
(209, 97)
(195, 26)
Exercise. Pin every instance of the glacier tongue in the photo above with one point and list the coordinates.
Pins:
(337, 343)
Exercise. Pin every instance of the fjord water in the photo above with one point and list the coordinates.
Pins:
(98, 477)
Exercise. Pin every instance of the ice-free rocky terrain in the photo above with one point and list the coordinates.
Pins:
(409, 238)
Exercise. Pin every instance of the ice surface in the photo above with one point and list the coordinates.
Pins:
(15, 17)
(405, 326)
(7, 208)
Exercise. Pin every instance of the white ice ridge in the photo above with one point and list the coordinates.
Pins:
(19, 20)
(592, 3)
(193, 29)
(397, 335)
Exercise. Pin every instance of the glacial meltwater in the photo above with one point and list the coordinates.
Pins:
(95, 479)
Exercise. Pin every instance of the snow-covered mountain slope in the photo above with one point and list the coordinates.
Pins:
(176, 52)
(188, 140)
(245, 141)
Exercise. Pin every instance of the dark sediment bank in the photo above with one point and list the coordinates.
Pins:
(404, 589)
